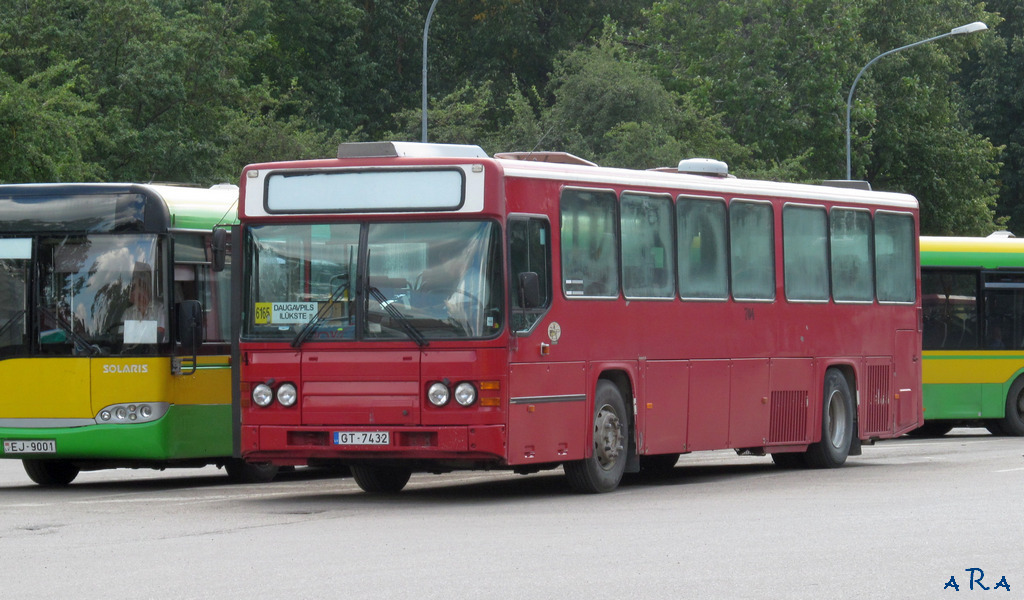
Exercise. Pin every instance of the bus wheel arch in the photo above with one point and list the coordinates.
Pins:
(603, 468)
(1012, 422)
(838, 421)
(50, 473)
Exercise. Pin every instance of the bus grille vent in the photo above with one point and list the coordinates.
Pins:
(877, 417)
(789, 417)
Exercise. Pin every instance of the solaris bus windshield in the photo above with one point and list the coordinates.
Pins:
(90, 295)
(374, 281)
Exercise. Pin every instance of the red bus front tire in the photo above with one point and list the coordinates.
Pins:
(381, 480)
(602, 470)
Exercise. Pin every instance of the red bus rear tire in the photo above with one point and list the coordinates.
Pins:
(837, 424)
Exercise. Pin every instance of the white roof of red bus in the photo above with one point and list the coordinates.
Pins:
(563, 167)
(700, 183)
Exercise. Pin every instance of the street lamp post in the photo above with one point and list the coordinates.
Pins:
(963, 29)
(426, 27)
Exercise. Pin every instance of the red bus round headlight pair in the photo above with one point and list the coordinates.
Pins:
(263, 395)
(438, 393)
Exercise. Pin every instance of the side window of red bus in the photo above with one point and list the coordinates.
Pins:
(752, 247)
(805, 252)
(853, 276)
(645, 227)
(703, 249)
(529, 264)
(895, 258)
(590, 265)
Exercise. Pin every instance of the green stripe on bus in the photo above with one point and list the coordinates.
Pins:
(194, 431)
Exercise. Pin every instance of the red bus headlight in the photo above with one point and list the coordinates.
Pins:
(262, 395)
(465, 393)
(286, 394)
(438, 394)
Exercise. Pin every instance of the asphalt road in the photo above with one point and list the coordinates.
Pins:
(904, 520)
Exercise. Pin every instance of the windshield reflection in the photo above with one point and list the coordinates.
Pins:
(100, 294)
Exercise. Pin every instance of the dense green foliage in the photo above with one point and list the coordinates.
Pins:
(190, 90)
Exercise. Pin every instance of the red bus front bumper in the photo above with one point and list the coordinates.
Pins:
(286, 444)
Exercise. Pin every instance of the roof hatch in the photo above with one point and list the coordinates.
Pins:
(703, 166)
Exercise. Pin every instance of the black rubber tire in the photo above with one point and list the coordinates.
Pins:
(837, 424)
(50, 473)
(380, 480)
(602, 470)
(932, 429)
(240, 471)
(1012, 422)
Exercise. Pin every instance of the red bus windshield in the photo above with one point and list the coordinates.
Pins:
(375, 281)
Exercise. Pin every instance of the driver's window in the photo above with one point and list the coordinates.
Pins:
(529, 252)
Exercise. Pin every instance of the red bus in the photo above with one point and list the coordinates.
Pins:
(423, 307)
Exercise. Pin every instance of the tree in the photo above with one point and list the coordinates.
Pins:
(162, 81)
(774, 70)
(318, 53)
(458, 118)
(609, 107)
(994, 88)
(779, 72)
(46, 128)
(917, 137)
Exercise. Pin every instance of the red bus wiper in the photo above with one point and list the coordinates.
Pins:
(307, 329)
(397, 315)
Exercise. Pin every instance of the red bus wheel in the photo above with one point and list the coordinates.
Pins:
(602, 470)
(837, 424)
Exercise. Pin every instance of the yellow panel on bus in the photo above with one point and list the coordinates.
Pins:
(120, 380)
(45, 388)
(210, 384)
(970, 367)
(150, 380)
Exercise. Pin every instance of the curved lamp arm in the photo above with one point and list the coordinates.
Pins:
(963, 29)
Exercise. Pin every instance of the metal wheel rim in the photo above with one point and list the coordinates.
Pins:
(837, 419)
(607, 437)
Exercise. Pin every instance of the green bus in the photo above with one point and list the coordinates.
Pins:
(115, 335)
(973, 333)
